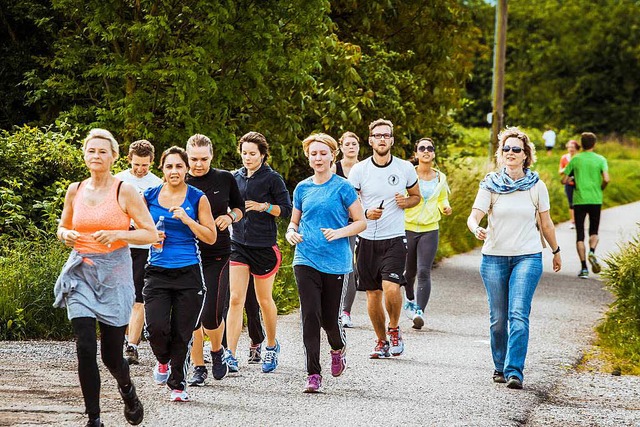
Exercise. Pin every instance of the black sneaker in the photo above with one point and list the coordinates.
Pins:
(514, 383)
(133, 409)
(498, 377)
(255, 354)
(199, 376)
(219, 367)
(94, 423)
(131, 355)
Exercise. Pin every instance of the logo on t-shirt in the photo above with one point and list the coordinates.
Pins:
(393, 180)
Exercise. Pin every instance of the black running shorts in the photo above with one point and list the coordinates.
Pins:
(378, 260)
(139, 260)
(262, 262)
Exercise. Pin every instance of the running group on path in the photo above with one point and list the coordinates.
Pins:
(369, 225)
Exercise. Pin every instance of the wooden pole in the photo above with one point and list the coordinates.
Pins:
(499, 59)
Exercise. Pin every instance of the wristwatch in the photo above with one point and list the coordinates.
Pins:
(556, 251)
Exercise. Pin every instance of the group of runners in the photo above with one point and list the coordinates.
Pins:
(370, 225)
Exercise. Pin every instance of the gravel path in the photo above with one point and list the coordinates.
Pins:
(443, 379)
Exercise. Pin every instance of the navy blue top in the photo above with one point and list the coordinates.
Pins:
(180, 247)
(259, 228)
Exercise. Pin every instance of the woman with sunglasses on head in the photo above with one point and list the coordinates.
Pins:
(174, 287)
(96, 283)
(349, 146)
(422, 223)
(511, 265)
(320, 229)
(254, 249)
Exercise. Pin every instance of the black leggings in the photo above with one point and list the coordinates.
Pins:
(216, 279)
(421, 251)
(111, 339)
(581, 212)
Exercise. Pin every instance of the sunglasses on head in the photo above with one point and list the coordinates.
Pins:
(424, 148)
(515, 149)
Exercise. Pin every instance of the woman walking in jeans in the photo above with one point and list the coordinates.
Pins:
(512, 252)
(320, 229)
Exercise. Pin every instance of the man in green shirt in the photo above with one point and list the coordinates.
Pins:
(591, 175)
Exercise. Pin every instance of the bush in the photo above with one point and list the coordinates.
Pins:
(29, 271)
(619, 332)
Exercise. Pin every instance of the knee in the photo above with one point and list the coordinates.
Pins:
(86, 347)
(236, 300)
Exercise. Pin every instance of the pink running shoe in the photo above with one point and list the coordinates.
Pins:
(338, 361)
(314, 381)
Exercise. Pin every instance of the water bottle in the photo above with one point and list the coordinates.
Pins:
(157, 246)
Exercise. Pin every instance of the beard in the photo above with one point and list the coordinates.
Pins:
(382, 151)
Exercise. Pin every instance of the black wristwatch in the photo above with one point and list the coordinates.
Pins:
(556, 251)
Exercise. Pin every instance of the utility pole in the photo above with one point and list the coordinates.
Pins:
(499, 59)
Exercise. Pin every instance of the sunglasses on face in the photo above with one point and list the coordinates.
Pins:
(424, 148)
(515, 149)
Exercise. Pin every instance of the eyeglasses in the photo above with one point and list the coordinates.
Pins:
(424, 148)
(381, 136)
(515, 149)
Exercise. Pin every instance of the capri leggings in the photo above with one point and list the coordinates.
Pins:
(421, 251)
(111, 339)
(581, 212)
(216, 278)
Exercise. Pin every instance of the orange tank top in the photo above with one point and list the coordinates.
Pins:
(106, 215)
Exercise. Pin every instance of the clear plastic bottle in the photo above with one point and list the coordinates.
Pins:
(157, 246)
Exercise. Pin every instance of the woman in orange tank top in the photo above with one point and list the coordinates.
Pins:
(96, 283)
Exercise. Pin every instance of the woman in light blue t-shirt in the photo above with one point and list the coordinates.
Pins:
(319, 227)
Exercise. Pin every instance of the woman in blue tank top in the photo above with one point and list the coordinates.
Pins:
(174, 288)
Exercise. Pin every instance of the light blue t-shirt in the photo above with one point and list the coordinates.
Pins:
(180, 248)
(323, 206)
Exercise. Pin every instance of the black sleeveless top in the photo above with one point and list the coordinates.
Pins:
(339, 170)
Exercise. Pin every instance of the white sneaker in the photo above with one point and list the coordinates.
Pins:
(410, 308)
(161, 373)
(418, 319)
(345, 319)
(179, 396)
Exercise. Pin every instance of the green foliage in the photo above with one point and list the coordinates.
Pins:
(619, 332)
(38, 165)
(29, 270)
(285, 290)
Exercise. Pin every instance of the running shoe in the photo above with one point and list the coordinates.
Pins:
(133, 409)
(219, 368)
(584, 274)
(498, 377)
(595, 267)
(94, 423)
(131, 355)
(418, 319)
(270, 360)
(338, 361)
(161, 373)
(230, 360)
(514, 383)
(179, 396)
(314, 382)
(255, 354)
(345, 319)
(397, 344)
(199, 376)
(381, 351)
(409, 308)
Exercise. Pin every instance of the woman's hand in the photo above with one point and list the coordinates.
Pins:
(69, 237)
(480, 233)
(557, 262)
(106, 237)
(447, 210)
(250, 205)
(330, 234)
(223, 222)
(293, 237)
(179, 213)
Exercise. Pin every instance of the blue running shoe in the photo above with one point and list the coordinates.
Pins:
(270, 358)
(381, 351)
(397, 344)
(410, 308)
(230, 360)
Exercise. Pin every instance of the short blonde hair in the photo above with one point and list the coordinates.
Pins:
(200, 140)
(380, 122)
(322, 138)
(97, 133)
(349, 134)
(515, 132)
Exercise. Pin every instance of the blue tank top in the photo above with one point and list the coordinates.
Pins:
(180, 247)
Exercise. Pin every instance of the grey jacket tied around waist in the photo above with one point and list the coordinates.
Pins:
(98, 286)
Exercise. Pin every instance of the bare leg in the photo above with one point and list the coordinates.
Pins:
(593, 241)
(264, 294)
(393, 302)
(580, 249)
(376, 314)
(197, 356)
(239, 280)
(136, 323)
(215, 335)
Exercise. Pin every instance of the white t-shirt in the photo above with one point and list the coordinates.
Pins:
(140, 184)
(549, 138)
(512, 221)
(381, 183)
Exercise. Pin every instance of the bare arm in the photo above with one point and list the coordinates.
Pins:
(205, 228)
(412, 199)
(292, 236)
(473, 223)
(358, 225)
(65, 232)
(549, 233)
(605, 179)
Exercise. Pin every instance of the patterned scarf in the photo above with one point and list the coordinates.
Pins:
(501, 183)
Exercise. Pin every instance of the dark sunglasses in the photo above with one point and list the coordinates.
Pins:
(516, 149)
(424, 148)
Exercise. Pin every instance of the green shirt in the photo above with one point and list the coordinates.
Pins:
(587, 169)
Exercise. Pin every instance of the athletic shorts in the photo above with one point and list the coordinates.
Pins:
(378, 260)
(580, 213)
(262, 262)
(139, 258)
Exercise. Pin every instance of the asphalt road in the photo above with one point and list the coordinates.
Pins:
(443, 379)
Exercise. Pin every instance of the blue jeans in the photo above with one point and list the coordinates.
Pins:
(510, 282)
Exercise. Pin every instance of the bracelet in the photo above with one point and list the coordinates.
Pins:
(268, 210)
(60, 235)
(556, 251)
(231, 216)
(365, 214)
(291, 229)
